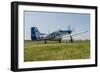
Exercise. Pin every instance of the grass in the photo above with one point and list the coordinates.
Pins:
(38, 51)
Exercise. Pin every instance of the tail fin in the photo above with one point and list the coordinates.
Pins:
(34, 32)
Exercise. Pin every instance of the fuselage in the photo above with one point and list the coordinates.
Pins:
(36, 35)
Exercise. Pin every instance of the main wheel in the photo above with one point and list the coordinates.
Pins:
(71, 39)
(45, 41)
(60, 40)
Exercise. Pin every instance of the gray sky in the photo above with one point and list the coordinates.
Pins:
(47, 22)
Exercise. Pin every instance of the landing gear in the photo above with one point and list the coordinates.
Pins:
(45, 41)
(71, 39)
(60, 40)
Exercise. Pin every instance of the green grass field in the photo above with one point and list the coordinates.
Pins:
(38, 51)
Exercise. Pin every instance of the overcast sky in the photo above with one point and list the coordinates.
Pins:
(48, 22)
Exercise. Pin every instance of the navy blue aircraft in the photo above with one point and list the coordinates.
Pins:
(55, 36)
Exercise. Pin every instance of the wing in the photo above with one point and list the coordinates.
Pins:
(76, 34)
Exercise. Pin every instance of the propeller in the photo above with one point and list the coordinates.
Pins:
(70, 28)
